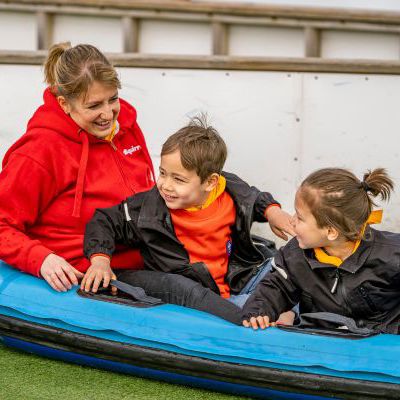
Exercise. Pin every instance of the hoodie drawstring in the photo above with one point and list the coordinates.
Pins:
(148, 158)
(81, 175)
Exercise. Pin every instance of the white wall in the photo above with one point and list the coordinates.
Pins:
(18, 31)
(363, 45)
(278, 126)
(265, 41)
(171, 37)
(105, 33)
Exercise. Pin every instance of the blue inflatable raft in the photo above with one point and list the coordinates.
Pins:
(185, 346)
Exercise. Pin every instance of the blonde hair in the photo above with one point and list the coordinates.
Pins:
(69, 71)
(337, 198)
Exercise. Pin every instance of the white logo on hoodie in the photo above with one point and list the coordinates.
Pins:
(132, 149)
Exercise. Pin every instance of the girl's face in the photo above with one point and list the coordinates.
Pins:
(97, 112)
(308, 234)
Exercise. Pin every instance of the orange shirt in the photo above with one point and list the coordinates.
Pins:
(206, 236)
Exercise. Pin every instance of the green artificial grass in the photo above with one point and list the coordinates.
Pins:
(25, 376)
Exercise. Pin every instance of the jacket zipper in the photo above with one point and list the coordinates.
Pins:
(118, 161)
(342, 289)
(343, 293)
(364, 294)
(335, 282)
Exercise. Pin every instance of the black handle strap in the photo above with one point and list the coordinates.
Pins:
(340, 321)
(136, 292)
(342, 326)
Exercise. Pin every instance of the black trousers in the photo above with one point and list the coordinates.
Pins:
(182, 291)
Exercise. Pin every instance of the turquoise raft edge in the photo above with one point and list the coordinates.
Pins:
(194, 333)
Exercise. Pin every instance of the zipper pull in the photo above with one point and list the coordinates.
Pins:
(113, 145)
(336, 281)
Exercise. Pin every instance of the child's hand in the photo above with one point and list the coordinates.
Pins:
(260, 321)
(286, 318)
(280, 222)
(99, 271)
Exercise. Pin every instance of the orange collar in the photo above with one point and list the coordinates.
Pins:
(215, 193)
(374, 218)
(114, 131)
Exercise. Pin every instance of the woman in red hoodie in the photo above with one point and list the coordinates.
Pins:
(82, 149)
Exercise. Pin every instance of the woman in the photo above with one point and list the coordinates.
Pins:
(83, 149)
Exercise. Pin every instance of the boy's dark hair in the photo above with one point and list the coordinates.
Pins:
(202, 149)
(337, 198)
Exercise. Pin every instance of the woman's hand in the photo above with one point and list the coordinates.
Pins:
(99, 271)
(59, 274)
(260, 321)
(280, 222)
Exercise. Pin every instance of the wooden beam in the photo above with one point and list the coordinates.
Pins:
(44, 30)
(248, 9)
(130, 31)
(250, 20)
(312, 42)
(22, 57)
(315, 65)
(219, 39)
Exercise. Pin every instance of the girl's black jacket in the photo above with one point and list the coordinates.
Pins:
(366, 287)
(143, 221)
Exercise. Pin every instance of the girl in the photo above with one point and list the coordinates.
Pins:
(336, 263)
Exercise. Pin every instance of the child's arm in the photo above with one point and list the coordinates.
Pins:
(265, 209)
(279, 222)
(275, 294)
(107, 227)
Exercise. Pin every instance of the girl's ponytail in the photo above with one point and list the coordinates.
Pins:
(55, 53)
(378, 183)
(336, 197)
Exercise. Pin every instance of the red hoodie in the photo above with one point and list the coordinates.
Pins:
(53, 179)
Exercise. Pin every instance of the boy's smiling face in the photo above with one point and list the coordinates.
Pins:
(179, 187)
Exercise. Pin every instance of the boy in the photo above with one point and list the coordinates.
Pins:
(194, 224)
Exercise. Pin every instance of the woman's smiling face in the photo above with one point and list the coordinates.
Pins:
(97, 111)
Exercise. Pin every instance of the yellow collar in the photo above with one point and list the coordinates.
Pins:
(214, 194)
(374, 218)
(114, 131)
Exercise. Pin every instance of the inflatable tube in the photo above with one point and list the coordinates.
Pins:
(181, 345)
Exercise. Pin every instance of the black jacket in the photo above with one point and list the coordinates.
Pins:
(143, 221)
(367, 283)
